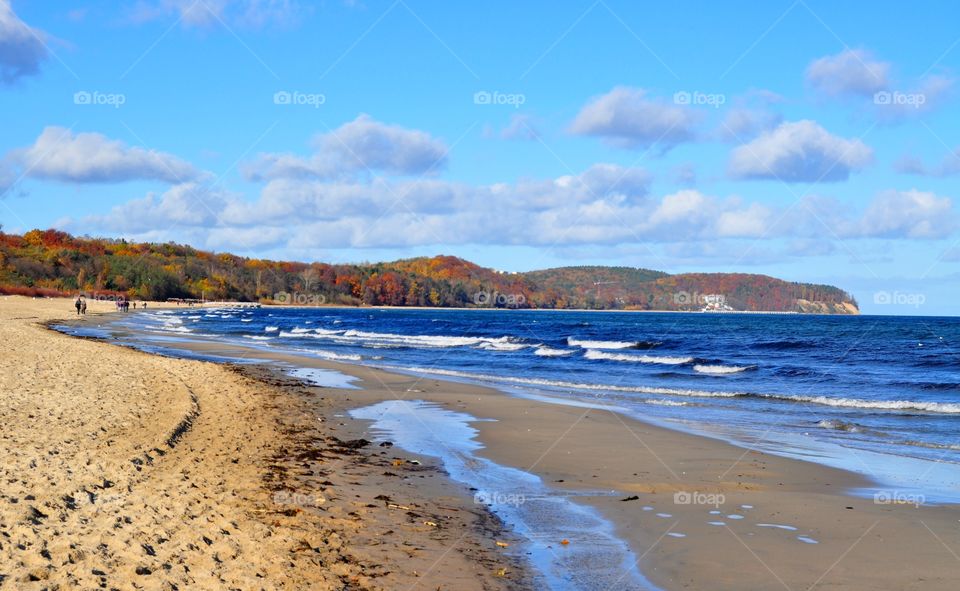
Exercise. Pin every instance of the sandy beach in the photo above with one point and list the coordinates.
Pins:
(126, 470)
(123, 470)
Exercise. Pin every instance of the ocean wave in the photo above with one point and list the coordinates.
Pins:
(663, 360)
(502, 346)
(721, 369)
(257, 337)
(336, 356)
(665, 402)
(936, 407)
(271, 328)
(544, 351)
(600, 344)
(892, 405)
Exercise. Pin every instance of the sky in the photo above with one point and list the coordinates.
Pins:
(812, 141)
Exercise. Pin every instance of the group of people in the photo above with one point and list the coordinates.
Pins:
(123, 305)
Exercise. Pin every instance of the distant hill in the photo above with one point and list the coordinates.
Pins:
(51, 262)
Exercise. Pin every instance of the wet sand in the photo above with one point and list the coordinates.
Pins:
(451, 541)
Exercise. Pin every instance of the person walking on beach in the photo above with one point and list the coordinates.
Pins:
(83, 307)
(77, 305)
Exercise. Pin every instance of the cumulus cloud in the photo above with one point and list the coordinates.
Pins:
(800, 151)
(22, 48)
(856, 74)
(362, 145)
(851, 72)
(206, 13)
(627, 118)
(184, 205)
(909, 214)
(59, 154)
(605, 204)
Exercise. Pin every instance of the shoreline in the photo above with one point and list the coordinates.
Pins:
(800, 516)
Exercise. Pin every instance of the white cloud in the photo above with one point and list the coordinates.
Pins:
(799, 151)
(22, 48)
(851, 72)
(626, 118)
(185, 205)
(61, 155)
(909, 214)
(362, 145)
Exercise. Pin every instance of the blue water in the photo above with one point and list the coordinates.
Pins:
(876, 394)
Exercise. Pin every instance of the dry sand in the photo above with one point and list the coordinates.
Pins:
(257, 433)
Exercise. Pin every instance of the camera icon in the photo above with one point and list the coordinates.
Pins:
(282, 97)
(682, 98)
(482, 98)
(281, 297)
(882, 97)
(682, 498)
(481, 298)
(682, 298)
(882, 298)
(482, 498)
(82, 98)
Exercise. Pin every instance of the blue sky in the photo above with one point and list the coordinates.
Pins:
(808, 140)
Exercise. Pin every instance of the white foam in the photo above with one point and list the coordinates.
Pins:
(337, 356)
(938, 407)
(663, 360)
(257, 337)
(271, 328)
(599, 344)
(544, 351)
(720, 369)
